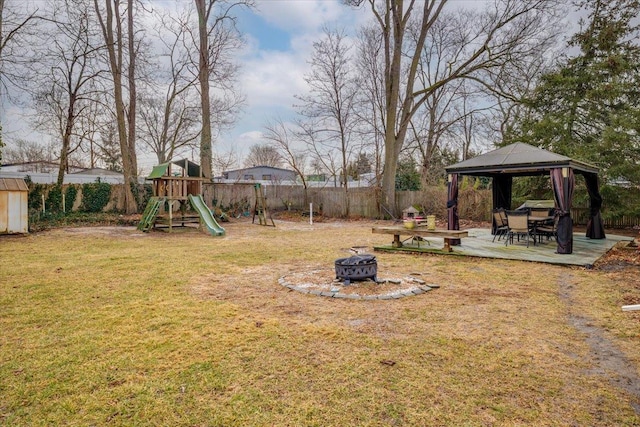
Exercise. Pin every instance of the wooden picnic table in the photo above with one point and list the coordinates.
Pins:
(420, 231)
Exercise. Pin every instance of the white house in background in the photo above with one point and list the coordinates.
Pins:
(47, 173)
(98, 172)
(36, 167)
(260, 173)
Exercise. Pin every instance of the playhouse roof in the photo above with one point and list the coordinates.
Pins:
(192, 169)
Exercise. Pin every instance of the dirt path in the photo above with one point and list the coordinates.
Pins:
(608, 361)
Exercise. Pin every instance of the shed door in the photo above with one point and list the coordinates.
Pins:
(17, 212)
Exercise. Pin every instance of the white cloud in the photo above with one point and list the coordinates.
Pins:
(300, 15)
(273, 78)
(250, 138)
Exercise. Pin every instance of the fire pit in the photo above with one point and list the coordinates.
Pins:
(358, 267)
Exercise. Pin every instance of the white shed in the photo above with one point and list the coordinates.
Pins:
(14, 206)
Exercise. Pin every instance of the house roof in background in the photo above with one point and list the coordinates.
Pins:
(97, 171)
(35, 162)
(249, 169)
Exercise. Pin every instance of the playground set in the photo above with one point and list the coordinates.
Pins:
(173, 192)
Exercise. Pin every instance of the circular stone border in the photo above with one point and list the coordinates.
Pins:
(420, 288)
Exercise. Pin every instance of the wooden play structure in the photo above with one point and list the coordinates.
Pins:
(174, 191)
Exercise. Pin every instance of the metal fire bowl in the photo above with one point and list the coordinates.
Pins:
(359, 267)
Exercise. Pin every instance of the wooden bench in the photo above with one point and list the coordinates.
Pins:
(398, 231)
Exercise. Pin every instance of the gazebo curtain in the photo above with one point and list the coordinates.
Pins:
(563, 183)
(453, 221)
(501, 189)
(595, 225)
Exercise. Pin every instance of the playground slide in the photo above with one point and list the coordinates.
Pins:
(208, 220)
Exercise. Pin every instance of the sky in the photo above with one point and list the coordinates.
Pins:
(280, 36)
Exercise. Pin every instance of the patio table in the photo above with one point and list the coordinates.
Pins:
(535, 222)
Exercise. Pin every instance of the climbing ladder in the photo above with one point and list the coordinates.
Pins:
(150, 213)
(260, 209)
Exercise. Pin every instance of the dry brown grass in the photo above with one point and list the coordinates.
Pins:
(122, 328)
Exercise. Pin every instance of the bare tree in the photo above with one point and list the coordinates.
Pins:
(120, 42)
(324, 160)
(263, 155)
(329, 108)
(216, 40)
(170, 119)
(107, 147)
(65, 77)
(168, 126)
(224, 161)
(284, 140)
(17, 26)
(25, 151)
(518, 79)
(371, 105)
(446, 108)
(506, 31)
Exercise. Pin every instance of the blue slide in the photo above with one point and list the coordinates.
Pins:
(206, 216)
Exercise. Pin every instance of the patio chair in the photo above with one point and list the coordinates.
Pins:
(549, 230)
(542, 213)
(500, 219)
(518, 225)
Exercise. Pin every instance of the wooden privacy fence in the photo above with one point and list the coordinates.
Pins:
(357, 202)
(473, 204)
(580, 216)
(239, 199)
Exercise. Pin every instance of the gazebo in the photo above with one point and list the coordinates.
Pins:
(521, 159)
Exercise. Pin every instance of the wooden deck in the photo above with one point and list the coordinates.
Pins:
(479, 244)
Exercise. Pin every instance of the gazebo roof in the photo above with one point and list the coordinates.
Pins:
(518, 159)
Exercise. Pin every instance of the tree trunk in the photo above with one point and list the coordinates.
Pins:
(66, 142)
(133, 95)
(203, 78)
(115, 51)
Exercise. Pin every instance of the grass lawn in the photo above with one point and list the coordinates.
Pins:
(115, 327)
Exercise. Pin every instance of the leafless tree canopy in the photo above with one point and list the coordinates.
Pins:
(95, 82)
(423, 58)
(263, 155)
(426, 79)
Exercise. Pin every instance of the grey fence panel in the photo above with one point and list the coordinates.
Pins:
(239, 199)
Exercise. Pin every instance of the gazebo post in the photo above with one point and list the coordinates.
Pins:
(595, 225)
(453, 221)
(563, 182)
